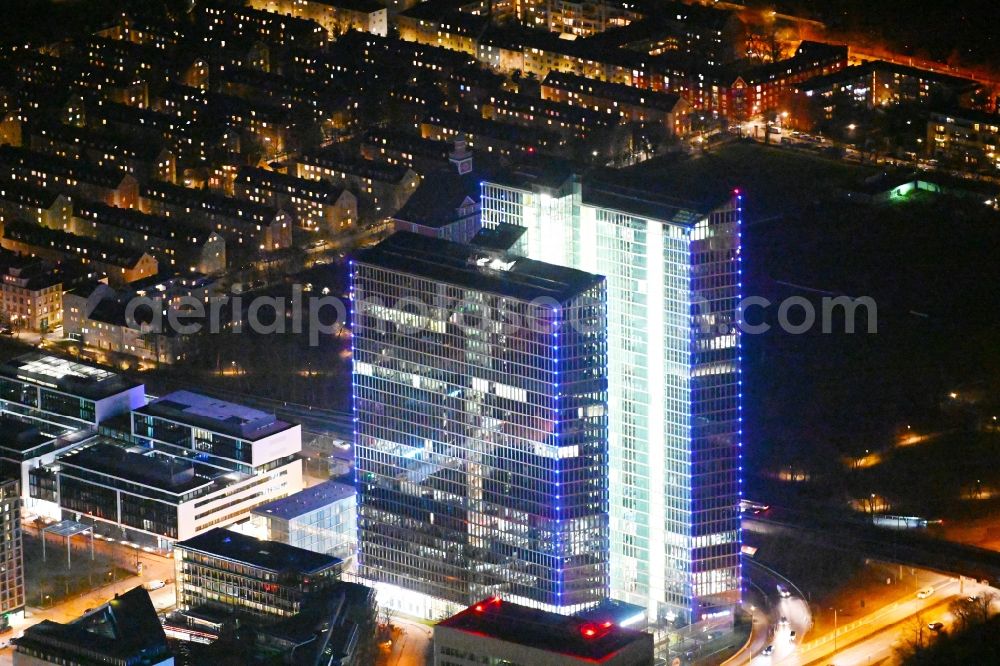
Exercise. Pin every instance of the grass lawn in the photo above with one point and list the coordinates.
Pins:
(774, 179)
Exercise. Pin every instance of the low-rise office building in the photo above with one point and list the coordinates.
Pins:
(323, 519)
(25, 445)
(500, 632)
(48, 389)
(230, 571)
(190, 463)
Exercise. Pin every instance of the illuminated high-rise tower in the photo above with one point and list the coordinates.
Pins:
(480, 398)
(673, 283)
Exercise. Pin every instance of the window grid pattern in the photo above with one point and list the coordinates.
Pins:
(481, 442)
(674, 389)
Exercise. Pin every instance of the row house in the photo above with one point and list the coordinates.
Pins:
(112, 84)
(144, 61)
(41, 69)
(405, 148)
(557, 116)
(380, 186)
(216, 51)
(50, 209)
(269, 124)
(190, 142)
(160, 34)
(143, 158)
(331, 67)
(246, 226)
(718, 84)
(336, 16)
(412, 102)
(488, 136)
(121, 265)
(130, 121)
(438, 23)
(380, 51)
(175, 244)
(618, 101)
(68, 176)
(326, 103)
(318, 205)
(710, 35)
(475, 84)
(224, 18)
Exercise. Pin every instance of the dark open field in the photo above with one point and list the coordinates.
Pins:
(808, 398)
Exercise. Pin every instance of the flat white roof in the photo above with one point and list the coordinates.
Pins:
(58, 368)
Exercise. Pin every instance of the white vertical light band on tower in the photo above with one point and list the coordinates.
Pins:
(672, 278)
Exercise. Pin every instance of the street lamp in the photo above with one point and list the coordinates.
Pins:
(836, 626)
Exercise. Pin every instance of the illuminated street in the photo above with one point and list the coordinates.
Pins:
(872, 635)
(654, 333)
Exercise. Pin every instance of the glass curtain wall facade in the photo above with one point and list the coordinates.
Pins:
(481, 434)
(673, 279)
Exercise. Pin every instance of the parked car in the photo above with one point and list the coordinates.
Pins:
(935, 626)
(154, 585)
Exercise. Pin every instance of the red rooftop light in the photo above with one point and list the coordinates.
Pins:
(590, 630)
